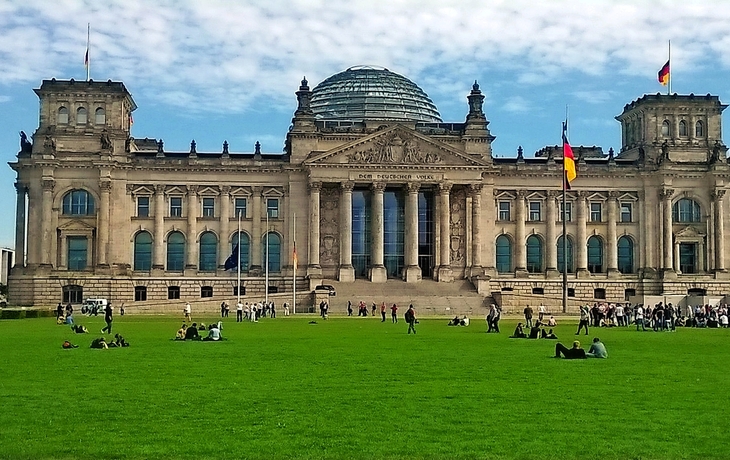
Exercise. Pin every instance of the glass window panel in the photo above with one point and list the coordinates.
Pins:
(240, 207)
(77, 252)
(595, 255)
(534, 254)
(175, 251)
(244, 251)
(143, 206)
(562, 257)
(504, 254)
(361, 232)
(208, 252)
(143, 251)
(175, 206)
(273, 255)
(625, 255)
(208, 207)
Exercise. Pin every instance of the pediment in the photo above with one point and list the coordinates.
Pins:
(395, 146)
(689, 232)
(75, 225)
(240, 191)
(140, 190)
(209, 191)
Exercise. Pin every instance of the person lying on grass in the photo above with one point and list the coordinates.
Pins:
(570, 353)
(67, 345)
(118, 342)
(79, 329)
(549, 335)
(519, 332)
(99, 343)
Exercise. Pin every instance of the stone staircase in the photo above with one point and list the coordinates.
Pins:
(430, 298)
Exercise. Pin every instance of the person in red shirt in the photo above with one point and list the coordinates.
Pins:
(394, 313)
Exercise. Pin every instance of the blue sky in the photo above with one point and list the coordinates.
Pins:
(227, 70)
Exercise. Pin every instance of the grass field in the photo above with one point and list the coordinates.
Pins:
(358, 388)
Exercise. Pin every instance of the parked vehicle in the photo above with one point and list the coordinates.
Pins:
(326, 287)
(93, 306)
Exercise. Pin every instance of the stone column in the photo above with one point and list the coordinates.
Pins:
(412, 271)
(192, 213)
(581, 243)
(378, 274)
(346, 271)
(475, 190)
(20, 209)
(550, 234)
(256, 255)
(314, 268)
(666, 197)
(105, 186)
(47, 236)
(717, 197)
(158, 250)
(612, 242)
(445, 274)
(520, 239)
(223, 250)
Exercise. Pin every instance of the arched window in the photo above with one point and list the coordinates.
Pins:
(243, 253)
(274, 252)
(208, 252)
(665, 128)
(699, 129)
(625, 255)
(595, 255)
(686, 210)
(534, 254)
(143, 251)
(175, 252)
(569, 250)
(62, 118)
(81, 117)
(683, 129)
(100, 116)
(78, 203)
(504, 254)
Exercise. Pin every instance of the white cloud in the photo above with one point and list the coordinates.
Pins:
(229, 56)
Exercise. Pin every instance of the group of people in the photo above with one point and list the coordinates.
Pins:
(597, 350)
(118, 342)
(193, 332)
(362, 310)
(81, 329)
(463, 321)
(536, 331)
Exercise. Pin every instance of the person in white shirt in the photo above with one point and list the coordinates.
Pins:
(540, 312)
(620, 314)
(187, 311)
(239, 312)
(639, 317)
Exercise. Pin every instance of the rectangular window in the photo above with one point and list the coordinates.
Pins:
(595, 212)
(208, 207)
(272, 208)
(240, 207)
(235, 290)
(77, 252)
(568, 212)
(504, 210)
(175, 206)
(625, 212)
(140, 293)
(143, 206)
(206, 291)
(173, 292)
(599, 293)
(535, 211)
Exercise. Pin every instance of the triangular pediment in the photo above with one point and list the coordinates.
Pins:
(689, 232)
(395, 146)
(75, 225)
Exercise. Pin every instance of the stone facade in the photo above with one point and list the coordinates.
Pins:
(113, 216)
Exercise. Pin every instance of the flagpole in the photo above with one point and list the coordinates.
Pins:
(669, 83)
(565, 238)
(88, 58)
(296, 262)
(267, 259)
(238, 288)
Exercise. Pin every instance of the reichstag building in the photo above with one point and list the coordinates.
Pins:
(382, 188)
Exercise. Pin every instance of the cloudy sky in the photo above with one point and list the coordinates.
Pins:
(214, 70)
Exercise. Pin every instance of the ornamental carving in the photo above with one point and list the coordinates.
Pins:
(394, 148)
(457, 245)
(329, 229)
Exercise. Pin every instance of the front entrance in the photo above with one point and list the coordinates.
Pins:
(426, 234)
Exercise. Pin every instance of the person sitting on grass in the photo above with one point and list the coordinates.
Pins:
(214, 334)
(464, 321)
(597, 350)
(570, 353)
(180, 335)
(118, 342)
(551, 322)
(201, 327)
(549, 335)
(79, 329)
(519, 332)
(99, 343)
(455, 322)
(192, 333)
(535, 331)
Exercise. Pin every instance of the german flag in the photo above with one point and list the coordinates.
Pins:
(663, 75)
(569, 170)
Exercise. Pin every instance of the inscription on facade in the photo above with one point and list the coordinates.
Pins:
(395, 177)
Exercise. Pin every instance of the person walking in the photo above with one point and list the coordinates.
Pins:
(584, 319)
(349, 308)
(223, 309)
(108, 318)
(187, 310)
(286, 308)
(382, 312)
(394, 313)
(410, 317)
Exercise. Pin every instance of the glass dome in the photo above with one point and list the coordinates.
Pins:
(370, 93)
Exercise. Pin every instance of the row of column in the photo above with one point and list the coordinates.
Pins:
(378, 273)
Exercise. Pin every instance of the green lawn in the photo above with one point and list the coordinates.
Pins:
(358, 388)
